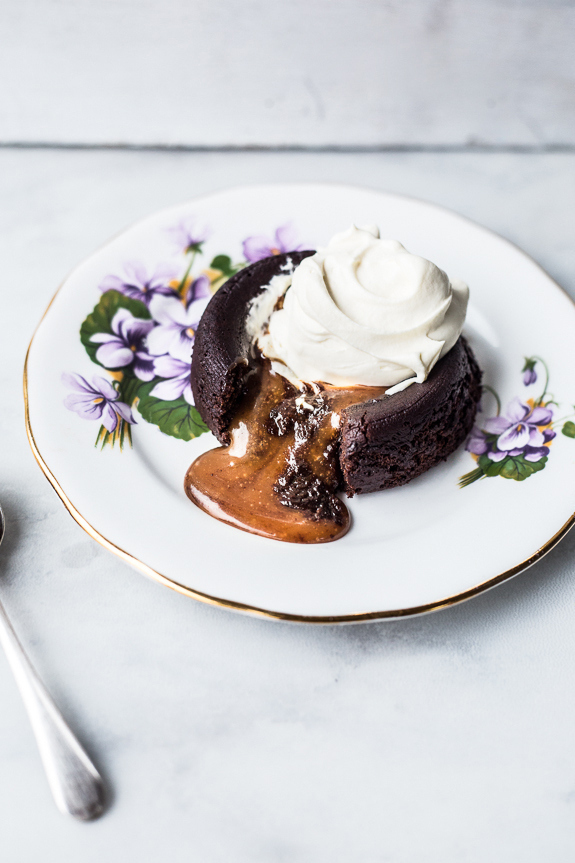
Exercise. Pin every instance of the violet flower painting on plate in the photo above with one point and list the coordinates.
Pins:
(141, 332)
(516, 444)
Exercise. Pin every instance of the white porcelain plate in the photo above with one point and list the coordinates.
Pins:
(412, 549)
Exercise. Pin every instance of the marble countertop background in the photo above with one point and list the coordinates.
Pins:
(227, 739)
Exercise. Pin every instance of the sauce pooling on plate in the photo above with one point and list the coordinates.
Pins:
(279, 475)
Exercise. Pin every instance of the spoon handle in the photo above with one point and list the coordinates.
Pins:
(74, 781)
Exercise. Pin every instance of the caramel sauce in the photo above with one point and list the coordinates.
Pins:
(279, 475)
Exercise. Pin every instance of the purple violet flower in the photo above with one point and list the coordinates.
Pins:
(258, 247)
(178, 321)
(529, 373)
(188, 236)
(497, 455)
(518, 429)
(534, 453)
(138, 285)
(126, 344)
(98, 401)
(477, 442)
(517, 434)
(177, 384)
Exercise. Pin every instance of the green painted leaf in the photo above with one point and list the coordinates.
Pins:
(512, 467)
(569, 429)
(518, 468)
(509, 469)
(100, 320)
(224, 263)
(493, 468)
(538, 465)
(524, 468)
(177, 418)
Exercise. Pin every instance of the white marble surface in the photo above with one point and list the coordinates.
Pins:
(301, 72)
(225, 738)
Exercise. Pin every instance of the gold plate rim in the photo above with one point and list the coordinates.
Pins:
(358, 617)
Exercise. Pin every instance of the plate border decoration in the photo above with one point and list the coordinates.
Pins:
(356, 617)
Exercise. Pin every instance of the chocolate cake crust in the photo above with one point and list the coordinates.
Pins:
(223, 357)
(384, 442)
(388, 442)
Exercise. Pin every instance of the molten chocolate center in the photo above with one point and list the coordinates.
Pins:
(279, 475)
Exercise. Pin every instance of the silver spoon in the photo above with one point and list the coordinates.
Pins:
(74, 781)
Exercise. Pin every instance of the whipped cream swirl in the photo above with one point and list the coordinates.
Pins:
(362, 311)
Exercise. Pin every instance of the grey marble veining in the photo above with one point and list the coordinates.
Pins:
(227, 738)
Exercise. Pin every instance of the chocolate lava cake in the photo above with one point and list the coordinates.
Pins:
(380, 442)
